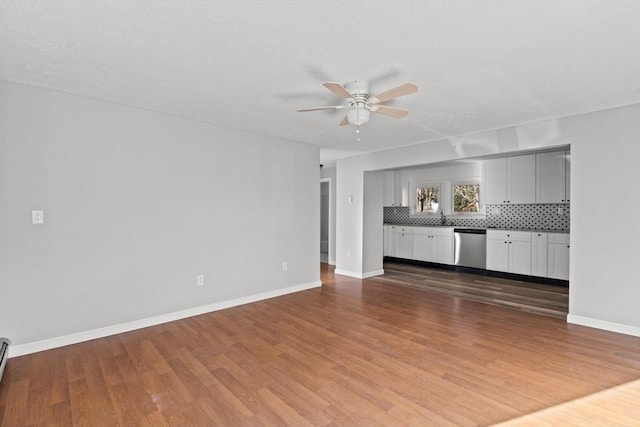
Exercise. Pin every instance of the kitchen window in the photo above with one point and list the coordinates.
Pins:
(426, 198)
(466, 198)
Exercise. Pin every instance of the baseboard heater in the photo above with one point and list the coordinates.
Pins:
(4, 354)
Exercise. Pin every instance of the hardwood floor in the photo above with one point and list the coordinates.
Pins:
(354, 352)
(548, 300)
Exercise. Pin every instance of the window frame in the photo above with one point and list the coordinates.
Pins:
(413, 199)
(465, 181)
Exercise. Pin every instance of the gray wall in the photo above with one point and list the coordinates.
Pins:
(136, 205)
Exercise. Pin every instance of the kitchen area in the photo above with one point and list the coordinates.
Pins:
(506, 217)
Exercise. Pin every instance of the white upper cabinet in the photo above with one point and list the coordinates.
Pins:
(392, 190)
(553, 177)
(521, 179)
(388, 189)
(495, 182)
(510, 180)
(567, 177)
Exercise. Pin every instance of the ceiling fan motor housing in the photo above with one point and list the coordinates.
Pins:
(359, 89)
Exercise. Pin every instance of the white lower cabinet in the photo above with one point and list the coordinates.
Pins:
(389, 240)
(520, 252)
(539, 254)
(509, 251)
(558, 256)
(433, 244)
(404, 242)
(422, 244)
(443, 246)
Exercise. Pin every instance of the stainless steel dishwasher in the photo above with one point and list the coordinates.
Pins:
(470, 249)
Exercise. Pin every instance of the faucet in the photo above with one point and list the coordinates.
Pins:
(443, 219)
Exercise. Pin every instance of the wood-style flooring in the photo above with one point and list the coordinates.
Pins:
(351, 353)
(548, 300)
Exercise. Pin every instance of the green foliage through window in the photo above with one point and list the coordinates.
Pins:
(466, 198)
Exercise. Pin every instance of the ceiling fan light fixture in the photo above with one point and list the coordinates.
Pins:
(358, 115)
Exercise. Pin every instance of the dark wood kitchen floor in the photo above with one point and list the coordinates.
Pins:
(547, 300)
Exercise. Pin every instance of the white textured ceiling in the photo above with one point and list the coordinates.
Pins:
(250, 64)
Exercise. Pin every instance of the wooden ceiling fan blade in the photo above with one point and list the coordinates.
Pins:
(389, 111)
(333, 107)
(396, 92)
(344, 121)
(338, 89)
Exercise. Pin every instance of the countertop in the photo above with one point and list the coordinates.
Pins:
(532, 230)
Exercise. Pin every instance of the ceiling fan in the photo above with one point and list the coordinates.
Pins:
(361, 104)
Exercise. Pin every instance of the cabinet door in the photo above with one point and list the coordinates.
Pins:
(404, 245)
(551, 177)
(442, 249)
(385, 240)
(495, 182)
(558, 261)
(400, 191)
(567, 177)
(390, 245)
(388, 189)
(521, 179)
(520, 257)
(497, 255)
(539, 254)
(422, 247)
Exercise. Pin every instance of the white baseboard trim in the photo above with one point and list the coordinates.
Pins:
(601, 324)
(33, 347)
(348, 273)
(372, 274)
(359, 275)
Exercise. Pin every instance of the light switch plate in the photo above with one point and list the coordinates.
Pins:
(37, 217)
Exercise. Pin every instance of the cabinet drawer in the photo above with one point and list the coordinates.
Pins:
(559, 238)
(520, 236)
(421, 230)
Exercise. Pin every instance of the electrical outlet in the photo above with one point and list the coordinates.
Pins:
(200, 280)
(37, 217)
(560, 211)
(285, 267)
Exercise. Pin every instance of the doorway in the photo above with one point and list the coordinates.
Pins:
(324, 221)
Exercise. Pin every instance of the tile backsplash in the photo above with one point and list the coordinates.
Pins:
(530, 217)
